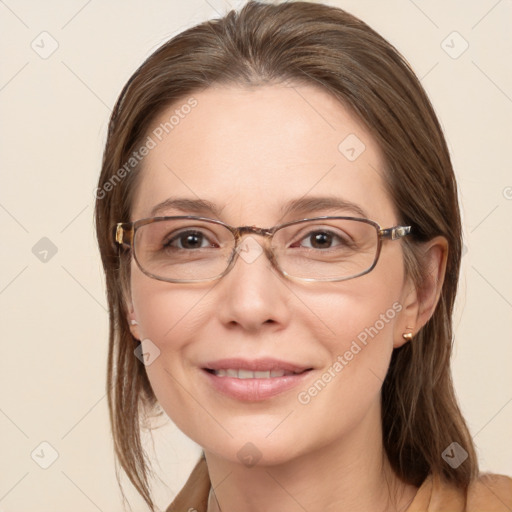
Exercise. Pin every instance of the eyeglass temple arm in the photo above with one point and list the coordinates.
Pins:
(395, 232)
(123, 234)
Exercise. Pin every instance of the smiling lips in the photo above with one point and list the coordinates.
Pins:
(254, 380)
(248, 374)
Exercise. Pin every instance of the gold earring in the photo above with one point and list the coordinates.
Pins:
(407, 335)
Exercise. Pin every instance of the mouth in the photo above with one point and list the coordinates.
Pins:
(254, 380)
(241, 373)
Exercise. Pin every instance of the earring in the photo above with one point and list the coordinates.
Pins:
(407, 335)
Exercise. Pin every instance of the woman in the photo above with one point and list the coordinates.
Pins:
(278, 222)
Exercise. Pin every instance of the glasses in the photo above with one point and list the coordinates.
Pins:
(189, 249)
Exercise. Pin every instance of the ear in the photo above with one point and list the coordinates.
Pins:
(420, 303)
(132, 320)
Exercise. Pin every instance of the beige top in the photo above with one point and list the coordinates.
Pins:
(490, 493)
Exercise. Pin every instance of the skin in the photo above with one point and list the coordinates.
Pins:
(249, 151)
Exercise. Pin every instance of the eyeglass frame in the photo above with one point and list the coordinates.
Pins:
(124, 236)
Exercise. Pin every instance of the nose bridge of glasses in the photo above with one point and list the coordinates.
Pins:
(256, 247)
(242, 231)
(254, 230)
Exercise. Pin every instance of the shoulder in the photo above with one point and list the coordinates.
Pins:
(487, 493)
(490, 493)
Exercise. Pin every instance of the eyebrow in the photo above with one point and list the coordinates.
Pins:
(312, 204)
(301, 206)
(187, 206)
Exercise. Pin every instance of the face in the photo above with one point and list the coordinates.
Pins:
(250, 152)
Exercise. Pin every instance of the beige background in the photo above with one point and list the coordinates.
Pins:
(54, 115)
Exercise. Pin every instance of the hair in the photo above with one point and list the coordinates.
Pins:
(312, 44)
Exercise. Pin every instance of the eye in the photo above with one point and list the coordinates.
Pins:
(322, 239)
(187, 240)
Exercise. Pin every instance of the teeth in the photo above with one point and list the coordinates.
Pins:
(248, 374)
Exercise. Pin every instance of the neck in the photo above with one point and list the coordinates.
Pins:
(349, 474)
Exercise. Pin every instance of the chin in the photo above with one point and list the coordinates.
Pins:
(255, 449)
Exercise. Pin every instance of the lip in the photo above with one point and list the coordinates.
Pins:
(255, 365)
(257, 389)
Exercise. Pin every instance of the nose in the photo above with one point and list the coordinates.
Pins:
(253, 294)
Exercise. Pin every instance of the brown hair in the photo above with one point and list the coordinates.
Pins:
(302, 42)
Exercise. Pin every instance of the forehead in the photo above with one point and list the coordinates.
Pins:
(250, 150)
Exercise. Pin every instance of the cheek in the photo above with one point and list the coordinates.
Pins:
(169, 317)
(358, 345)
(163, 309)
(361, 341)
(357, 313)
